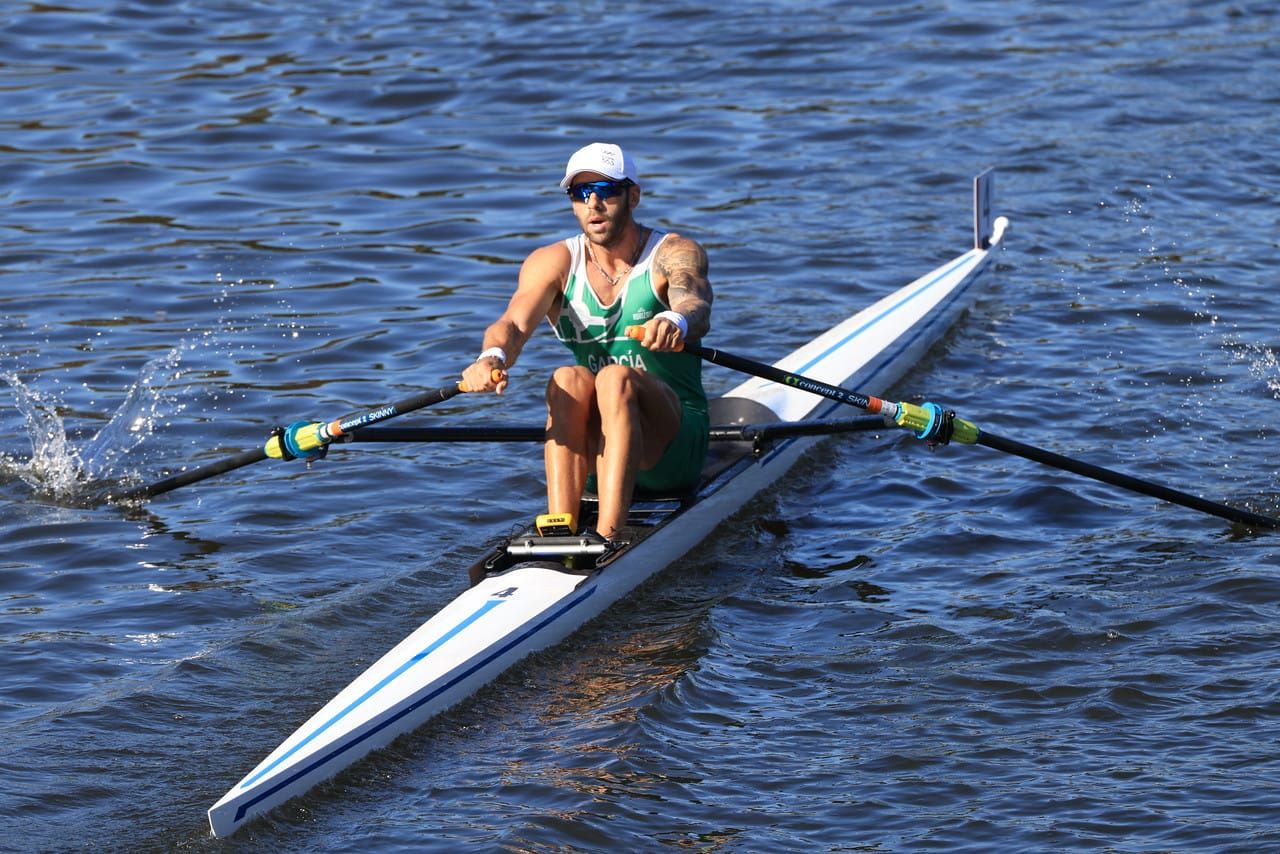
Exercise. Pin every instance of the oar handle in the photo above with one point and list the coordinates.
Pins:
(637, 333)
(497, 375)
(307, 439)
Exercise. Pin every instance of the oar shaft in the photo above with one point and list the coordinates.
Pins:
(306, 437)
(1115, 478)
(199, 473)
(303, 438)
(777, 375)
(346, 424)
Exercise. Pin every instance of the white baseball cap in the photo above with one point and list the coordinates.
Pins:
(602, 157)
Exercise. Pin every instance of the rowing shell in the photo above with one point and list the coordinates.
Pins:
(534, 592)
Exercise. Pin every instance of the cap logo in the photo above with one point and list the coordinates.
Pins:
(602, 157)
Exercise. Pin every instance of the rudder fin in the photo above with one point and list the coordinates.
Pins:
(983, 185)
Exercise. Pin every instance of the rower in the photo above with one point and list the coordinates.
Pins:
(628, 412)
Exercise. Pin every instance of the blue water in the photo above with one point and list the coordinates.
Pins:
(220, 217)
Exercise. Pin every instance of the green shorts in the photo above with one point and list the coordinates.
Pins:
(681, 465)
(678, 470)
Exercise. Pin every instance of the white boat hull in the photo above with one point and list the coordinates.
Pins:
(518, 611)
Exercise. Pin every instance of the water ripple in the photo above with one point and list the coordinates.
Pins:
(277, 212)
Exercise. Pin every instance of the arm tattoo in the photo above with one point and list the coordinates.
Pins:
(684, 264)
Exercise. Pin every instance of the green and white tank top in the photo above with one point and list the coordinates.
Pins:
(596, 334)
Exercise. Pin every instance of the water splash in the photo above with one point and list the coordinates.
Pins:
(60, 469)
(1263, 363)
(219, 360)
(52, 465)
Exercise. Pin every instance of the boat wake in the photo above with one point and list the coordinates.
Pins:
(60, 469)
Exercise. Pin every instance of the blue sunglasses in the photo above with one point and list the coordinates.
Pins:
(603, 189)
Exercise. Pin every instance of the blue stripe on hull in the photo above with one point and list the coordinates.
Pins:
(364, 736)
(937, 316)
(882, 315)
(870, 375)
(384, 682)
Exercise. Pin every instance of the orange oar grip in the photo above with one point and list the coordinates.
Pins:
(637, 332)
(497, 374)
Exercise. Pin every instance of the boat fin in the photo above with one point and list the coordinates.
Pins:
(982, 189)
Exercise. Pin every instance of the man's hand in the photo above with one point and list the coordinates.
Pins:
(479, 375)
(661, 333)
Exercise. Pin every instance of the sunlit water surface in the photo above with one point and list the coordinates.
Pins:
(225, 217)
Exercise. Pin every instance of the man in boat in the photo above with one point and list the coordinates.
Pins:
(628, 412)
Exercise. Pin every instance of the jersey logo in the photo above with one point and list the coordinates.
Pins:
(631, 360)
(573, 327)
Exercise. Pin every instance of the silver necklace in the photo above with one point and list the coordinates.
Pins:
(613, 280)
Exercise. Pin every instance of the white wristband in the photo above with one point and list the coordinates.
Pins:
(678, 319)
(496, 352)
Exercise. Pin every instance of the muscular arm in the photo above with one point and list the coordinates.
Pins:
(681, 265)
(541, 278)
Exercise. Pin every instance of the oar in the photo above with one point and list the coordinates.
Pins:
(931, 423)
(300, 440)
(529, 433)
